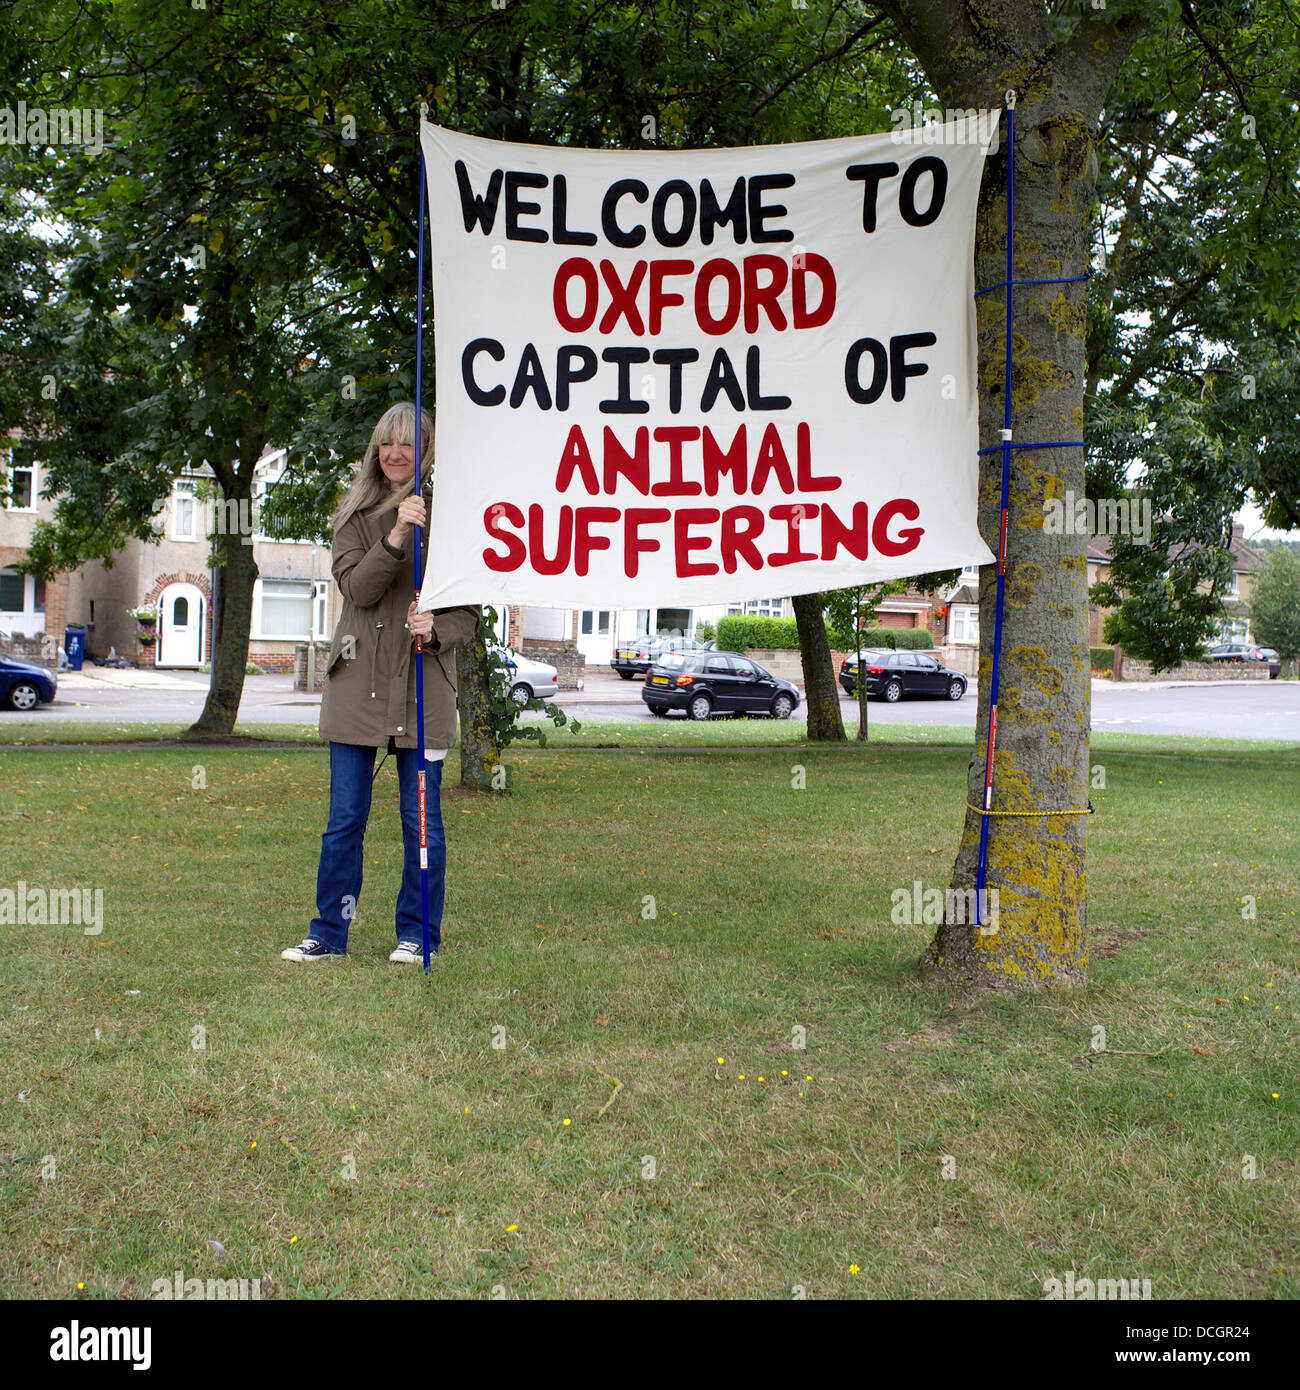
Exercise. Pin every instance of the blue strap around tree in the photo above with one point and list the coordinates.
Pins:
(1006, 446)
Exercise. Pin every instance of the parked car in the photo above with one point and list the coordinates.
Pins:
(527, 677)
(1246, 651)
(24, 685)
(636, 658)
(894, 674)
(708, 682)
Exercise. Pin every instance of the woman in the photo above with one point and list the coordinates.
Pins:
(369, 698)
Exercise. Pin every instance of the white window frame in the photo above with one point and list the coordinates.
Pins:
(29, 595)
(184, 490)
(257, 634)
(320, 610)
(960, 634)
(263, 482)
(10, 469)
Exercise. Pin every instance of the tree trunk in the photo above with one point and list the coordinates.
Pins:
(479, 753)
(825, 724)
(232, 621)
(1041, 761)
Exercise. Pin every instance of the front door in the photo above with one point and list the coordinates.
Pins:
(180, 631)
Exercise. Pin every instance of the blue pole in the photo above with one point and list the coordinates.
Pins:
(419, 645)
(982, 869)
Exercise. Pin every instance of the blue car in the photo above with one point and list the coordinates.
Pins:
(24, 685)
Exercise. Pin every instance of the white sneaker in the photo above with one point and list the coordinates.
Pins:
(411, 953)
(309, 950)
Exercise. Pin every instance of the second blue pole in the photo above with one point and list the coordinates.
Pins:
(419, 645)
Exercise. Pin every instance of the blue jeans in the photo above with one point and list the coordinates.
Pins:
(338, 881)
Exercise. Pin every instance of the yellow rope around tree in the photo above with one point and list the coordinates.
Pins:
(979, 812)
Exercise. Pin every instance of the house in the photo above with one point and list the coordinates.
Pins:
(595, 631)
(29, 607)
(1234, 628)
(294, 597)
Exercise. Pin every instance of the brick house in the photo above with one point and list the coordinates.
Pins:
(1245, 563)
(294, 597)
(29, 607)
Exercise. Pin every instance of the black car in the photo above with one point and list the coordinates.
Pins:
(24, 685)
(1246, 651)
(636, 658)
(705, 683)
(895, 674)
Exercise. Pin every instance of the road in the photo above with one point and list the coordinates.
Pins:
(1224, 709)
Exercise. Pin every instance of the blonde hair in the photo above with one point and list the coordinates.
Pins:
(371, 487)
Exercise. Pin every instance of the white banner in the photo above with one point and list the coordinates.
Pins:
(700, 376)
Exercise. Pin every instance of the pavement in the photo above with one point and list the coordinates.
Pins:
(1224, 709)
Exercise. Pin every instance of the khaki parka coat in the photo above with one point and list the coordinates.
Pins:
(370, 670)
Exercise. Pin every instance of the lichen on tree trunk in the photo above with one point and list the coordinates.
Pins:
(1041, 759)
(1036, 861)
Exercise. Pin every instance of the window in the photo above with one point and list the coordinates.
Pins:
(21, 482)
(1230, 588)
(908, 659)
(595, 620)
(181, 612)
(320, 611)
(183, 506)
(964, 624)
(927, 663)
(12, 588)
(759, 607)
(283, 608)
(743, 668)
(643, 622)
(717, 666)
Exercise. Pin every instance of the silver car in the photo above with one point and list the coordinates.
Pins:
(528, 678)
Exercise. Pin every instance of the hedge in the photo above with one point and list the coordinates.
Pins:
(1102, 658)
(738, 634)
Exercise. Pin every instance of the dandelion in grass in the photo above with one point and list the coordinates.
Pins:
(509, 1229)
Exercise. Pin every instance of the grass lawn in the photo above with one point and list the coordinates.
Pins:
(350, 1129)
(674, 733)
